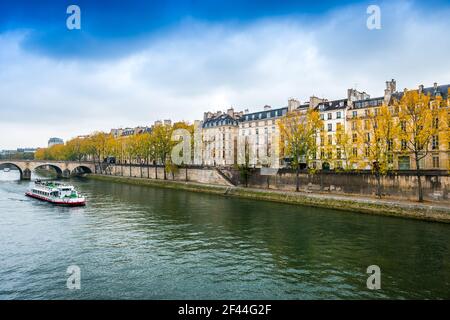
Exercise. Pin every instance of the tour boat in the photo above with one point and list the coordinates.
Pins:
(6, 169)
(56, 193)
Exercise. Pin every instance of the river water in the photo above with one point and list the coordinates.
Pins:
(133, 242)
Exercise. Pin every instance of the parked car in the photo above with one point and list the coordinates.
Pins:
(110, 160)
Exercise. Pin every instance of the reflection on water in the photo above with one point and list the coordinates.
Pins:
(139, 242)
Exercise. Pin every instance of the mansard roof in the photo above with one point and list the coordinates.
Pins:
(303, 106)
(432, 91)
(332, 105)
(365, 103)
(440, 90)
(265, 114)
(222, 120)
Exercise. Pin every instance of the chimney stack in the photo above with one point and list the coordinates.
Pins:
(391, 88)
(293, 104)
(315, 101)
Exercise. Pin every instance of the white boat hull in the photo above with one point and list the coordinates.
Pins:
(60, 202)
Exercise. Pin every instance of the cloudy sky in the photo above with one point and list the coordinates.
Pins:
(135, 62)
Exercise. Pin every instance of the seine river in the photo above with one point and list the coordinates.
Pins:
(134, 242)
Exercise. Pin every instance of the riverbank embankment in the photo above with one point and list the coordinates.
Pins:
(405, 209)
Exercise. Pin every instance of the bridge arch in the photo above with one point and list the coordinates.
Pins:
(81, 169)
(64, 169)
(59, 171)
(5, 164)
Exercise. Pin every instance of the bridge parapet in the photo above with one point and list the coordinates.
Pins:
(64, 169)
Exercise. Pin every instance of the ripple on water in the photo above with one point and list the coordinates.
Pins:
(133, 242)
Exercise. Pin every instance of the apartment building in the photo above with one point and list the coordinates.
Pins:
(125, 132)
(438, 158)
(333, 115)
(55, 141)
(258, 132)
(219, 137)
(439, 155)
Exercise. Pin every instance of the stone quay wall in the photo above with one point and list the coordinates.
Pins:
(207, 175)
(396, 185)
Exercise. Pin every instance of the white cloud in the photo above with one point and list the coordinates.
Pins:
(201, 67)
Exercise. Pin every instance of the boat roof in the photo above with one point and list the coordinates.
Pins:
(53, 185)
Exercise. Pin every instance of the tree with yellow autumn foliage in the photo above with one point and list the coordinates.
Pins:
(299, 131)
(377, 131)
(189, 135)
(161, 139)
(97, 147)
(347, 147)
(420, 122)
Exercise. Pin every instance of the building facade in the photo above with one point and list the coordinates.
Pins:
(219, 137)
(360, 111)
(125, 132)
(226, 138)
(345, 125)
(259, 136)
(330, 154)
(55, 141)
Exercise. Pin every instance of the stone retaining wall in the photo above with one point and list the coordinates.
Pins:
(205, 175)
(400, 184)
(396, 185)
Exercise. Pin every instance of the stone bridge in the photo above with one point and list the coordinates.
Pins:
(64, 169)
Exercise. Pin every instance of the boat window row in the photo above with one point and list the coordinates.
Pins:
(41, 192)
